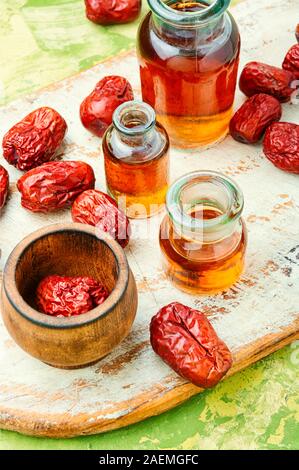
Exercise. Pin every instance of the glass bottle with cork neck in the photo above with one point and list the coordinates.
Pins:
(136, 159)
(189, 54)
(203, 237)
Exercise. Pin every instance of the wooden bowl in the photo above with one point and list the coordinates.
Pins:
(71, 250)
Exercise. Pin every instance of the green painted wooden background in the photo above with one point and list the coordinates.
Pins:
(43, 41)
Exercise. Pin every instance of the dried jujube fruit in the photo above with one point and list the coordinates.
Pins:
(252, 119)
(4, 186)
(291, 62)
(281, 146)
(67, 296)
(35, 139)
(297, 33)
(107, 12)
(185, 339)
(257, 77)
(55, 185)
(95, 208)
(97, 109)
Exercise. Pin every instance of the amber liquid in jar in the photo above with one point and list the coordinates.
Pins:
(200, 263)
(188, 74)
(136, 159)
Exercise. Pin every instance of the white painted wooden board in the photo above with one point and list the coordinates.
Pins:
(259, 314)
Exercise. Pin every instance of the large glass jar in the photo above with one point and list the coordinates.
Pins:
(189, 55)
(203, 237)
(136, 157)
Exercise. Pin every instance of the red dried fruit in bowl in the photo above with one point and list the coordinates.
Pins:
(35, 139)
(185, 339)
(291, 61)
(4, 186)
(54, 185)
(281, 146)
(252, 119)
(67, 296)
(107, 12)
(257, 77)
(97, 109)
(95, 208)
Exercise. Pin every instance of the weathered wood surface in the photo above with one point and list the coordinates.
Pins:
(256, 317)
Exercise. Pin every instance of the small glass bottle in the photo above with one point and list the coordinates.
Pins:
(136, 158)
(203, 237)
(189, 54)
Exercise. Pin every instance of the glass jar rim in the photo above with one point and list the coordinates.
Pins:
(180, 218)
(166, 13)
(134, 107)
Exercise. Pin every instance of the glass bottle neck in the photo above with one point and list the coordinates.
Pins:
(188, 14)
(184, 36)
(135, 123)
(137, 141)
(194, 32)
(204, 207)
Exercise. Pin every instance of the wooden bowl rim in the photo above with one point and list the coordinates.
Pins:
(41, 319)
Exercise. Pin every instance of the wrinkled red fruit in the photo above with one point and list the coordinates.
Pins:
(281, 146)
(262, 78)
(4, 186)
(297, 33)
(35, 139)
(291, 61)
(95, 208)
(112, 11)
(185, 339)
(97, 109)
(68, 296)
(252, 119)
(54, 185)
